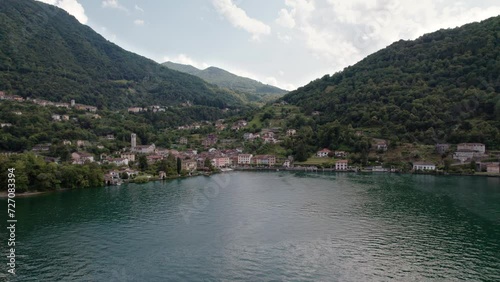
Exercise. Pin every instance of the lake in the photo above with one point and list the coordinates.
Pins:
(264, 226)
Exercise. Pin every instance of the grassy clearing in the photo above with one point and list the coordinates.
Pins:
(317, 161)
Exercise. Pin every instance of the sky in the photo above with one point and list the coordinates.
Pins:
(285, 43)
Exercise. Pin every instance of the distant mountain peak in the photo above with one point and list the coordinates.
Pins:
(226, 79)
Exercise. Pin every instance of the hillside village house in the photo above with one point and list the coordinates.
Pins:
(424, 166)
(135, 110)
(41, 148)
(342, 165)
(86, 108)
(119, 161)
(249, 136)
(476, 147)
(144, 149)
(469, 151)
(340, 154)
(291, 132)
(183, 141)
(152, 159)
(165, 152)
(323, 153)
(442, 148)
(244, 159)
(128, 156)
(381, 146)
(268, 137)
(82, 157)
(82, 143)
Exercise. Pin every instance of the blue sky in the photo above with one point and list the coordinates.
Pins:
(286, 43)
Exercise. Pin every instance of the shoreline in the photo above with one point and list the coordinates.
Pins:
(360, 171)
(4, 194)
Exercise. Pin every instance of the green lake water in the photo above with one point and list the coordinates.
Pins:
(263, 226)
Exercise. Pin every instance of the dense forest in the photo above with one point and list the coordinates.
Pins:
(47, 53)
(442, 87)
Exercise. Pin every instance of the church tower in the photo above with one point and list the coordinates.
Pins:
(133, 140)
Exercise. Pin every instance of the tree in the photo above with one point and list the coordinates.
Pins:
(179, 165)
(143, 162)
(208, 164)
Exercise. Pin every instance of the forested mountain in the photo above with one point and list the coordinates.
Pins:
(228, 80)
(47, 53)
(442, 87)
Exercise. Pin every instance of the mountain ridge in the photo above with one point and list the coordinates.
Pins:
(46, 53)
(226, 79)
(442, 87)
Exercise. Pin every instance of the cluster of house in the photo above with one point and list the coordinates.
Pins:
(341, 164)
(465, 152)
(325, 153)
(41, 102)
(267, 135)
(115, 177)
(191, 160)
(154, 109)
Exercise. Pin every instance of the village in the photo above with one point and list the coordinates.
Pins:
(210, 152)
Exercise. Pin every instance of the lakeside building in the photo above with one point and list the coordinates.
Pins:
(424, 166)
(245, 159)
(342, 165)
(189, 165)
(268, 160)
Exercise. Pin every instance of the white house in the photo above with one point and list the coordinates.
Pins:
(424, 166)
(323, 153)
(342, 165)
(245, 159)
(119, 161)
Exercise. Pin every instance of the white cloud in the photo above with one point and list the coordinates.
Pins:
(138, 8)
(284, 38)
(285, 19)
(113, 4)
(239, 18)
(343, 32)
(185, 60)
(139, 22)
(271, 80)
(73, 7)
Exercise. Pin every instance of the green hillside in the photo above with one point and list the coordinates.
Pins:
(442, 87)
(47, 53)
(225, 79)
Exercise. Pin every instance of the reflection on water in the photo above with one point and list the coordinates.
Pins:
(266, 226)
